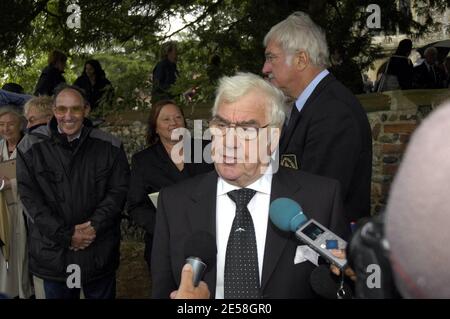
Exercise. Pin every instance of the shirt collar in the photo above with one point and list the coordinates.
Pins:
(300, 103)
(261, 185)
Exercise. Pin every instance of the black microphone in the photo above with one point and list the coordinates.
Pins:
(200, 252)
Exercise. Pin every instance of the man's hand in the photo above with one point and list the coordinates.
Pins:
(83, 236)
(187, 289)
(340, 253)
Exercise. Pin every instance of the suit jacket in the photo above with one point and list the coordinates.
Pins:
(331, 137)
(151, 170)
(190, 206)
(424, 79)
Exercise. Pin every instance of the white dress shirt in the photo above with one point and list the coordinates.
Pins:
(225, 212)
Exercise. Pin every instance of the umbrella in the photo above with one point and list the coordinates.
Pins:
(443, 48)
(4, 228)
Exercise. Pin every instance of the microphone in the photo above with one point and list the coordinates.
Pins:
(288, 215)
(200, 252)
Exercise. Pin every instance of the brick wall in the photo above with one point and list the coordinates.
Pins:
(393, 117)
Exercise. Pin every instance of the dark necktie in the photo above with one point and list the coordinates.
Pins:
(241, 279)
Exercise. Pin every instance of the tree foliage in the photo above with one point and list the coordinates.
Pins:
(128, 44)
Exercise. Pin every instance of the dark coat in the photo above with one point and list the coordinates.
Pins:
(94, 93)
(332, 137)
(190, 206)
(62, 185)
(424, 79)
(50, 78)
(151, 170)
(165, 75)
(401, 67)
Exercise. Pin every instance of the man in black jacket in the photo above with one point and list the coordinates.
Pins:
(327, 131)
(73, 180)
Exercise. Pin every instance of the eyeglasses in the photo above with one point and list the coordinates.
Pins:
(75, 110)
(247, 132)
(270, 57)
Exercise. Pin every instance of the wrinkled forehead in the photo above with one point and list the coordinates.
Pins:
(250, 108)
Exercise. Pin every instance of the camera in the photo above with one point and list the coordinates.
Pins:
(368, 256)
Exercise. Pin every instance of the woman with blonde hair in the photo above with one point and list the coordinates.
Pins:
(14, 275)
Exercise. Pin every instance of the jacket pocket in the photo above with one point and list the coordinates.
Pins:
(48, 256)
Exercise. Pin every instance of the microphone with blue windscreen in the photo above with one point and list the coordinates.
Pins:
(288, 215)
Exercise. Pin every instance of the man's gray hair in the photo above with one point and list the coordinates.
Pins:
(232, 88)
(299, 33)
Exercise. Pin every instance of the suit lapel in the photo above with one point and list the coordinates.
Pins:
(163, 161)
(295, 119)
(289, 129)
(276, 239)
(202, 217)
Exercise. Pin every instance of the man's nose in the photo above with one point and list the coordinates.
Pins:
(266, 68)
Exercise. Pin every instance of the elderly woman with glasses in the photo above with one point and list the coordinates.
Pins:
(14, 276)
(161, 164)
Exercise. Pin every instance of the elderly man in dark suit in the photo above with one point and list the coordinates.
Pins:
(327, 131)
(427, 75)
(254, 258)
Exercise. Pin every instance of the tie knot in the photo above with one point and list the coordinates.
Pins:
(241, 196)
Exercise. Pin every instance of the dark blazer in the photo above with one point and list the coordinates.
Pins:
(151, 170)
(190, 206)
(332, 137)
(423, 79)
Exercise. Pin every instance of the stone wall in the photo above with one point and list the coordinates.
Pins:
(393, 117)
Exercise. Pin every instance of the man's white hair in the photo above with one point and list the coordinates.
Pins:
(299, 33)
(232, 88)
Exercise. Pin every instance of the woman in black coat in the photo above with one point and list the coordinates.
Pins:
(95, 84)
(52, 75)
(155, 168)
(401, 66)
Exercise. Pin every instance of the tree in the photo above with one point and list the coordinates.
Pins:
(129, 31)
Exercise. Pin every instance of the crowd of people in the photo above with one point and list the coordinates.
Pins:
(297, 132)
(399, 73)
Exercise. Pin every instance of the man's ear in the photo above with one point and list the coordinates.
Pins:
(87, 109)
(301, 60)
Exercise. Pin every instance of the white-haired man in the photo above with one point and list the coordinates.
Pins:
(427, 75)
(232, 203)
(327, 131)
